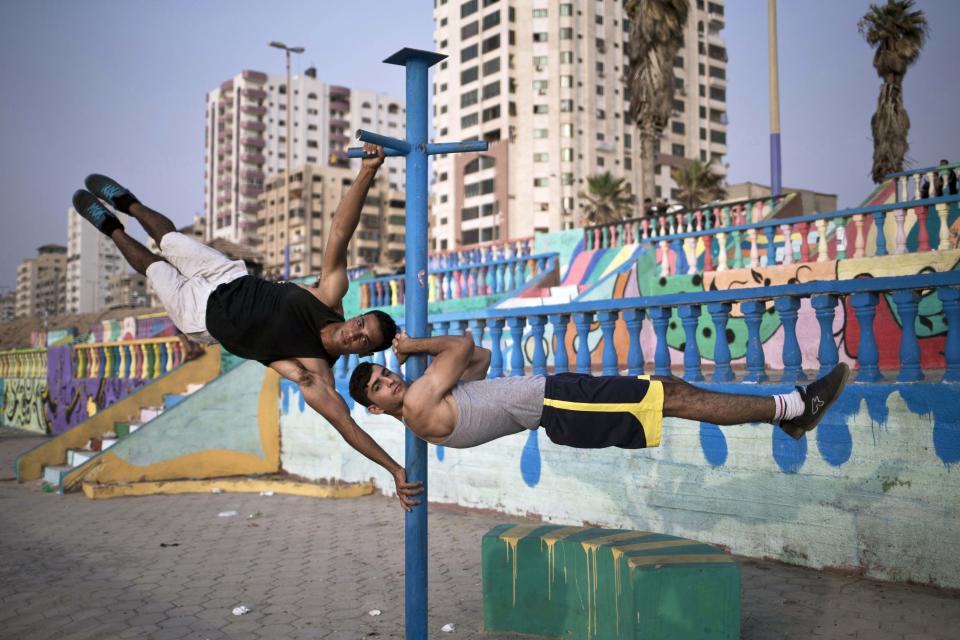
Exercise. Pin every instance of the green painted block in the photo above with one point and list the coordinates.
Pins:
(121, 429)
(603, 584)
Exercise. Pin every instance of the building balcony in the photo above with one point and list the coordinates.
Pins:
(337, 91)
(250, 208)
(256, 77)
(339, 138)
(250, 141)
(226, 88)
(253, 110)
(252, 125)
(254, 94)
(251, 192)
(253, 158)
(340, 123)
(252, 174)
(339, 105)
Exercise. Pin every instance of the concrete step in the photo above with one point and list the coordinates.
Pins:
(149, 413)
(194, 387)
(106, 443)
(52, 473)
(76, 457)
(171, 400)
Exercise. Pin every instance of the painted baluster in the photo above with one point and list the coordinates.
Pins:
(690, 247)
(634, 321)
(608, 323)
(788, 308)
(476, 331)
(615, 239)
(664, 259)
(596, 238)
(824, 307)
(771, 245)
(431, 288)
(865, 308)
(364, 295)
(879, 221)
(462, 282)
(676, 245)
(663, 225)
(448, 285)
(587, 240)
(537, 324)
(823, 249)
(804, 229)
(628, 230)
(708, 253)
(900, 189)
(923, 236)
(899, 217)
(604, 237)
(509, 282)
(379, 358)
(754, 251)
(942, 211)
(496, 354)
(645, 225)
(582, 322)
(491, 279)
(471, 282)
(907, 302)
(841, 236)
(690, 317)
(720, 313)
(517, 326)
(737, 242)
(401, 298)
(860, 237)
(561, 362)
(660, 316)
(501, 277)
(753, 311)
(950, 297)
(787, 234)
(341, 367)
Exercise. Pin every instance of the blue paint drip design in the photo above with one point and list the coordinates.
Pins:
(530, 460)
(441, 452)
(929, 399)
(834, 441)
(713, 443)
(789, 454)
(287, 387)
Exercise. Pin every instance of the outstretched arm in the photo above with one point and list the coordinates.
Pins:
(452, 357)
(333, 282)
(319, 392)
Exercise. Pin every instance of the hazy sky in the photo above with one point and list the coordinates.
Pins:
(118, 87)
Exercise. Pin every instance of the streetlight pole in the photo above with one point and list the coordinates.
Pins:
(775, 169)
(286, 177)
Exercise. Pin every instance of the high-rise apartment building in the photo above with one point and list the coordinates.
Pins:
(301, 232)
(8, 306)
(246, 137)
(126, 290)
(41, 283)
(92, 260)
(544, 82)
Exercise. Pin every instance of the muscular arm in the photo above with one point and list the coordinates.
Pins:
(478, 366)
(333, 282)
(452, 356)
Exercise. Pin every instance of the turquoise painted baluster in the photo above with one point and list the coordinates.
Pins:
(824, 307)
(490, 278)
(501, 277)
(753, 311)
(587, 239)
(604, 238)
(448, 282)
(634, 321)
(907, 302)
(865, 308)
(772, 246)
(841, 232)
(608, 323)
(496, 354)
(879, 218)
(561, 363)
(738, 243)
(660, 316)
(476, 330)
(950, 297)
(620, 237)
(516, 349)
(537, 324)
(582, 322)
(509, 282)
(788, 308)
(690, 317)
(441, 328)
(720, 312)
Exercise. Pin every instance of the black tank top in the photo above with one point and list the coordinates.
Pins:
(269, 321)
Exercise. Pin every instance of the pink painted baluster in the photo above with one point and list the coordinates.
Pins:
(455, 285)
(859, 241)
(900, 215)
(708, 253)
(613, 235)
(923, 238)
(645, 223)
(596, 237)
(629, 232)
(787, 243)
(804, 229)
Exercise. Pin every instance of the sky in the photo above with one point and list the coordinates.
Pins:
(118, 87)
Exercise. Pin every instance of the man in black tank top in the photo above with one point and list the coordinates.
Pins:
(296, 330)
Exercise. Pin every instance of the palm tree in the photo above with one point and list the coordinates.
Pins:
(898, 33)
(697, 184)
(656, 35)
(607, 199)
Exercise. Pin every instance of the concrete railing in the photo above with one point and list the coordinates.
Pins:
(138, 359)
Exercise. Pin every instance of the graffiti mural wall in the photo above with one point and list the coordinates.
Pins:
(23, 404)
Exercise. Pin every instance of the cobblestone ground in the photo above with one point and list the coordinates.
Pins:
(167, 567)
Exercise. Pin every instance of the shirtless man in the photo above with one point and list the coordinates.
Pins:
(454, 406)
(298, 331)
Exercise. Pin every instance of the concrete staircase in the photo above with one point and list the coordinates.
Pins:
(54, 474)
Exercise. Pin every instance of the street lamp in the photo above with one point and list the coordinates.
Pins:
(286, 178)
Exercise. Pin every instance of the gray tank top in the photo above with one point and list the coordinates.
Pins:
(490, 409)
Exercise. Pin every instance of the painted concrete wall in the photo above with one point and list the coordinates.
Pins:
(23, 401)
(875, 489)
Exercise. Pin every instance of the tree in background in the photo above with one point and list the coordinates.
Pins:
(607, 199)
(898, 33)
(656, 35)
(697, 184)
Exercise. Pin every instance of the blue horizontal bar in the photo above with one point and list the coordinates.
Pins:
(456, 147)
(910, 172)
(384, 141)
(358, 152)
(820, 287)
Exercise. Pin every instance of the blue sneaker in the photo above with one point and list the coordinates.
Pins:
(93, 211)
(110, 190)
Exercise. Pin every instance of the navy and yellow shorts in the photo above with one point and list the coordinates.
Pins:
(588, 412)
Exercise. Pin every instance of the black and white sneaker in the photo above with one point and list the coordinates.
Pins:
(817, 398)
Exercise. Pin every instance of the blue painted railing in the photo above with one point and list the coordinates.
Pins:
(824, 295)
(488, 278)
(480, 253)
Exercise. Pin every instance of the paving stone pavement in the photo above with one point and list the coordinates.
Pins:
(168, 567)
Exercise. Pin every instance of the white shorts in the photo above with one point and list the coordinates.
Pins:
(185, 281)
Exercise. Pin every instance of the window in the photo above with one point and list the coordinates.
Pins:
(678, 62)
(601, 46)
(566, 9)
(678, 83)
(491, 66)
(678, 127)
(469, 53)
(598, 19)
(599, 89)
(600, 136)
(719, 137)
(566, 81)
(540, 86)
(468, 98)
(540, 61)
(469, 120)
(541, 157)
(566, 179)
(491, 90)
(566, 33)
(600, 161)
(540, 108)
(541, 182)
(491, 44)
(539, 13)
(566, 154)
(703, 133)
(469, 213)
(468, 8)
(491, 113)
(540, 37)
(566, 57)
(679, 106)
(566, 106)
(717, 52)
(601, 114)
(600, 68)
(717, 72)
(491, 20)
(470, 30)
(716, 93)
(703, 112)
(627, 141)
(469, 75)
(628, 163)
(541, 133)
(678, 150)
(566, 130)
